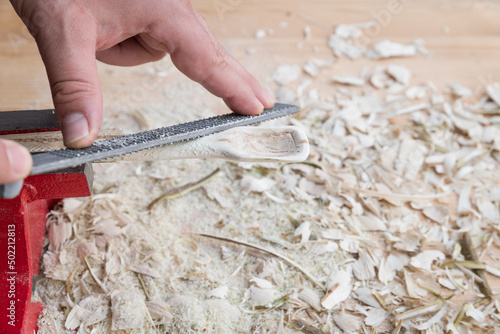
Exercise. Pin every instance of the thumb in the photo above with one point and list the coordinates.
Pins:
(15, 162)
(68, 53)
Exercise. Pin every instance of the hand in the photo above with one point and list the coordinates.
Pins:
(71, 34)
(15, 162)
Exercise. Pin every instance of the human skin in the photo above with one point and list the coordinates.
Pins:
(72, 34)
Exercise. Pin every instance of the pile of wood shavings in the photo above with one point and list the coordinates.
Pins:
(368, 235)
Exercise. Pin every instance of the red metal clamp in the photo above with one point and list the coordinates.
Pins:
(22, 233)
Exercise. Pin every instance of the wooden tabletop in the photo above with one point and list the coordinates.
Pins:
(463, 37)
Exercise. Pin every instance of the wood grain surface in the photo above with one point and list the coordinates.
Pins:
(462, 35)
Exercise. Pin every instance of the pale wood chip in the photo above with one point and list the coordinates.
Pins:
(339, 288)
(363, 268)
(390, 266)
(348, 80)
(221, 292)
(493, 91)
(159, 310)
(347, 322)
(438, 213)
(388, 49)
(286, 74)
(146, 269)
(311, 297)
(425, 259)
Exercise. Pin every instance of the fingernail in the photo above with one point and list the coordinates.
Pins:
(259, 106)
(269, 100)
(74, 127)
(19, 159)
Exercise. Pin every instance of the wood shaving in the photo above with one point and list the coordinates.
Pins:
(340, 288)
(260, 34)
(388, 49)
(348, 80)
(438, 213)
(286, 74)
(493, 91)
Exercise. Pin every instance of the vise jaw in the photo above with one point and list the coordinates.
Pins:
(22, 224)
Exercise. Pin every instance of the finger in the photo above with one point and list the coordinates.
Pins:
(15, 162)
(264, 97)
(132, 51)
(68, 52)
(196, 53)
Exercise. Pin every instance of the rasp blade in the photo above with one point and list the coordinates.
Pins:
(51, 161)
(28, 120)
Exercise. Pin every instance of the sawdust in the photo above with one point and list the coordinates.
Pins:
(397, 171)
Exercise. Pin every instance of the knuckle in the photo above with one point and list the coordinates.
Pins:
(220, 58)
(69, 91)
(219, 64)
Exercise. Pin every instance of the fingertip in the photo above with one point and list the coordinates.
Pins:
(249, 108)
(258, 109)
(75, 129)
(79, 143)
(18, 162)
(268, 100)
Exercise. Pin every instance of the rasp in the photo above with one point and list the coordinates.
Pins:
(64, 158)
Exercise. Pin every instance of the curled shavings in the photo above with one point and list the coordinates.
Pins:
(428, 288)
(435, 306)
(89, 311)
(306, 328)
(141, 280)
(381, 300)
(470, 273)
(434, 319)
(403, 197)
(465, 264)
(69, 281)
(397, 328)
(275, 304)
(453, 280)
(180, 191)
(94, 277)
(492, 271)
(282, 257)
(459, 317)
(475, 314)
(470, 254)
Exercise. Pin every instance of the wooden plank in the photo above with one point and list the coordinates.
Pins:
(468, 54)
